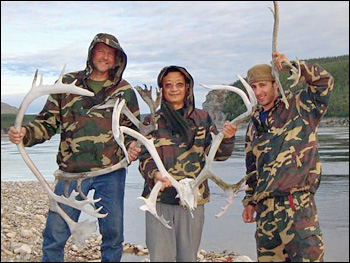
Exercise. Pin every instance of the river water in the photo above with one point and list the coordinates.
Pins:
(227, 232)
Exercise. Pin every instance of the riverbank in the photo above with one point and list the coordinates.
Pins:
(24, 207)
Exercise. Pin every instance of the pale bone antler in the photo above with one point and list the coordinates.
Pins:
(295, 71)
(78, 230)
(206, 172)
(144, 129)
(150, 205)
(146, 95)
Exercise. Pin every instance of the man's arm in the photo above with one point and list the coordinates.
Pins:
(250, 168)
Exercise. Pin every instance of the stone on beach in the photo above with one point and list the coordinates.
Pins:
(24, 207)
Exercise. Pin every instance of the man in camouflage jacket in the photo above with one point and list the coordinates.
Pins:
(282, 153)
(87, 144)
(182, 140)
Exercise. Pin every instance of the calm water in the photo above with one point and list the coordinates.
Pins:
(228, 232)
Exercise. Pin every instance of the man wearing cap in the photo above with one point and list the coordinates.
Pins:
(87, 144)
(282, 151)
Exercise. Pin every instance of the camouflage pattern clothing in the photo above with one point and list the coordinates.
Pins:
(283, 153)
(87, 141)
(288, 229)
(181, 160)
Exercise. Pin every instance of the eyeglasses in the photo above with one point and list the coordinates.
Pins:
(178, 85)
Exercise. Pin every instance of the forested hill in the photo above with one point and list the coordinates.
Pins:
(339, 104)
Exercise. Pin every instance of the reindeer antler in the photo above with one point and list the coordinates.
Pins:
(295, 71)
(81, 229)
(230, 189)
(148, 143)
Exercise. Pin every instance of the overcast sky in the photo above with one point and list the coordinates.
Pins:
(214, 41)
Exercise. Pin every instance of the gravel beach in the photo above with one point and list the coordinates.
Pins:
(24, 207)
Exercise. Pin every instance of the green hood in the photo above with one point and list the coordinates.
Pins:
(116, 73)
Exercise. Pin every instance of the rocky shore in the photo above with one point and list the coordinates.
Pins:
(24, 207)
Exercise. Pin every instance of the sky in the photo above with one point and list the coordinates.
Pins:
(214, 41)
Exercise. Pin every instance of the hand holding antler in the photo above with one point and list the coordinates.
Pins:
(206, 172)
(295, 72)
(81, 229)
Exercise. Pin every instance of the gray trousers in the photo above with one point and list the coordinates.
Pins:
(181, 243)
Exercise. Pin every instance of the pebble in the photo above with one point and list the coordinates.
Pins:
(24, 207)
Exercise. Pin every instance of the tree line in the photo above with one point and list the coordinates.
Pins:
(339, 102)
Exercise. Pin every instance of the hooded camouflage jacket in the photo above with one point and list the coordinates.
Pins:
(179, 159)
(87, 141)
(283, 151)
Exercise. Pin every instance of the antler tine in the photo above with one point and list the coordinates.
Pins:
(41, 80)
(146, 95)
(148, 143)
(296, 73)
(62, 73)
(79, 230)
(119, 136)
(206, 172)
(230, 189)
(35, 92)
(249, 90)
(34, 79)
(150, 205)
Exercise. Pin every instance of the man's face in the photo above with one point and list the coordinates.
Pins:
(174, 89)
(266, 92)
(103, 57)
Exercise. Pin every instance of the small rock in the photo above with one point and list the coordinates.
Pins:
(26, 233)
(11, 234)
(24, 249)
(41, 218)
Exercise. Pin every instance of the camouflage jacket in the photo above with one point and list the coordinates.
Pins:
(282, 153)
(87, 141)
(180, 160)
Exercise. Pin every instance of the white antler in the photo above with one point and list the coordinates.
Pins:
(146, 95)
(295, 71)
(207, 172)
(151, 202)
(148, 143)
(36, 91)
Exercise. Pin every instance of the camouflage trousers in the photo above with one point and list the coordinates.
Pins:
(288, 229)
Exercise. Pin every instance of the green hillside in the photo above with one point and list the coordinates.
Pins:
(339, 104)
(8, 120)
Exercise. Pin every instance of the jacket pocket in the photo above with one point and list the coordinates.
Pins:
(305, 219)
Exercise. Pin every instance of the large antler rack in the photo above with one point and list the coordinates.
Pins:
(79, 230)
(148, 143)
(187, 188)
(144, 129)
(207, 173)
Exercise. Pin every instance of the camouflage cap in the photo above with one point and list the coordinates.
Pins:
(261, 72)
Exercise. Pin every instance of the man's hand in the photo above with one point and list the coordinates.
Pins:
(248, 214)
(229, 130)
(166, 182)
(133, 151)
(280, 59)
(15, 136)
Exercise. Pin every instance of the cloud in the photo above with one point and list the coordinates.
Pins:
(213, 40)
